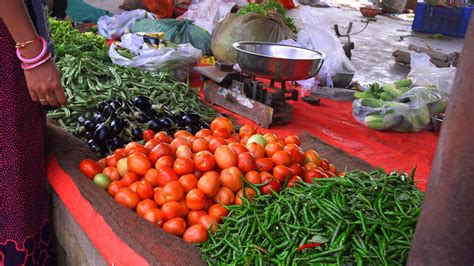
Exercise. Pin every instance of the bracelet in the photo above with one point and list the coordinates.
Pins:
(19, 45)
(37, 58)
(26, 66)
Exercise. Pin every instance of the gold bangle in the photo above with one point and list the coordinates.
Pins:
(19, 45)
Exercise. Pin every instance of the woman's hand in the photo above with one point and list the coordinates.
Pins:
(44, 84)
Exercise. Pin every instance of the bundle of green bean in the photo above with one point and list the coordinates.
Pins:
(363, 218)
(88, 81)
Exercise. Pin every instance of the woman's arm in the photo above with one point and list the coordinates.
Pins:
(43, 82)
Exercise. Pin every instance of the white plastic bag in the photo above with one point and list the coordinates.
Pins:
(179, 60)
(113, 27)
(315, 33)
(424, 73)
(207, 13)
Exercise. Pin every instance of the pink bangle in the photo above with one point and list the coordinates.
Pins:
(36, 59)
(26, 66)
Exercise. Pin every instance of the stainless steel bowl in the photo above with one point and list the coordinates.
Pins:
(277, 61)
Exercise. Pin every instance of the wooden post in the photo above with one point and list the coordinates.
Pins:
(445, 231)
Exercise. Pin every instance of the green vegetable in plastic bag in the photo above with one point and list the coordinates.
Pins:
(247, 27)
(375, 122)
(178, 32)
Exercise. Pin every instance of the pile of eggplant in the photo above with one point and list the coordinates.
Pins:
(117, 122)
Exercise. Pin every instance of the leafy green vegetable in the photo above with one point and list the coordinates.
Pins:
(263, 9)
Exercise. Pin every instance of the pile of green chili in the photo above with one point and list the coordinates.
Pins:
(361, 218)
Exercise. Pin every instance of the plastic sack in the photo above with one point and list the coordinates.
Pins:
(314, 33)
(161, 8)
(424, 73)
(113, 27)
(179, 60)
(207, 13)
(247, 27)
(177, 31)
(409, 112)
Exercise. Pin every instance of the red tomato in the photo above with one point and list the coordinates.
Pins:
(232, 178)
(182, 133)
(270, 137)
(296, 154)
(173, 191)
(112, 160)
(163, 137)
(196, 199)
(171, 210)
(129, 178)
(195, 234)
(233, 139)
(342, 174)
(145, 205)
(188, 182)
(222, 122)
(154, 216)
(148, 134)
(207, 221)
(324, 164)
(202, 133)
(138, 163)
(101, 163)
(130, 146)
(209, 183)
(90, 168)
(205, 161)
(162, 149)
(166, 175)
(133, 186)
(312, 156)
(309, 166)
(332, 169)
(225, 157)
(246, 162)
(152, 143)
(127, 197)
(253, 177)
(329, 173)
(166, 160)
(179, 141)
(139, 149)
(271, 148)
(274, 185)
(282, 158)
(158, 196)
(224, 196)
(215, 142)
(144, 190)
(265, 165)
(294, 181)
(296, 169)
(293, 139)
(152, 176)
(221, 132)
(256, 150)
(281, 173)
(312, 174)
(249, 195)
(197, 174)
(112, 173)
(237, 148)
(244, 138)
(193, 216)
(247, 130)
(175, 226)
(183, 166)
(218, 212)
(184, 152)
(121, 152)
(114, 187)
(184, 208)
(200, 145)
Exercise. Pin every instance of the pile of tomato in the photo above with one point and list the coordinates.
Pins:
(182, 183)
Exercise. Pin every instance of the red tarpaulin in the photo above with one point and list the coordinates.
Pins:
(333, 123)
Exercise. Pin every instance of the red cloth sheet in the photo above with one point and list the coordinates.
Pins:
(334, 124)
